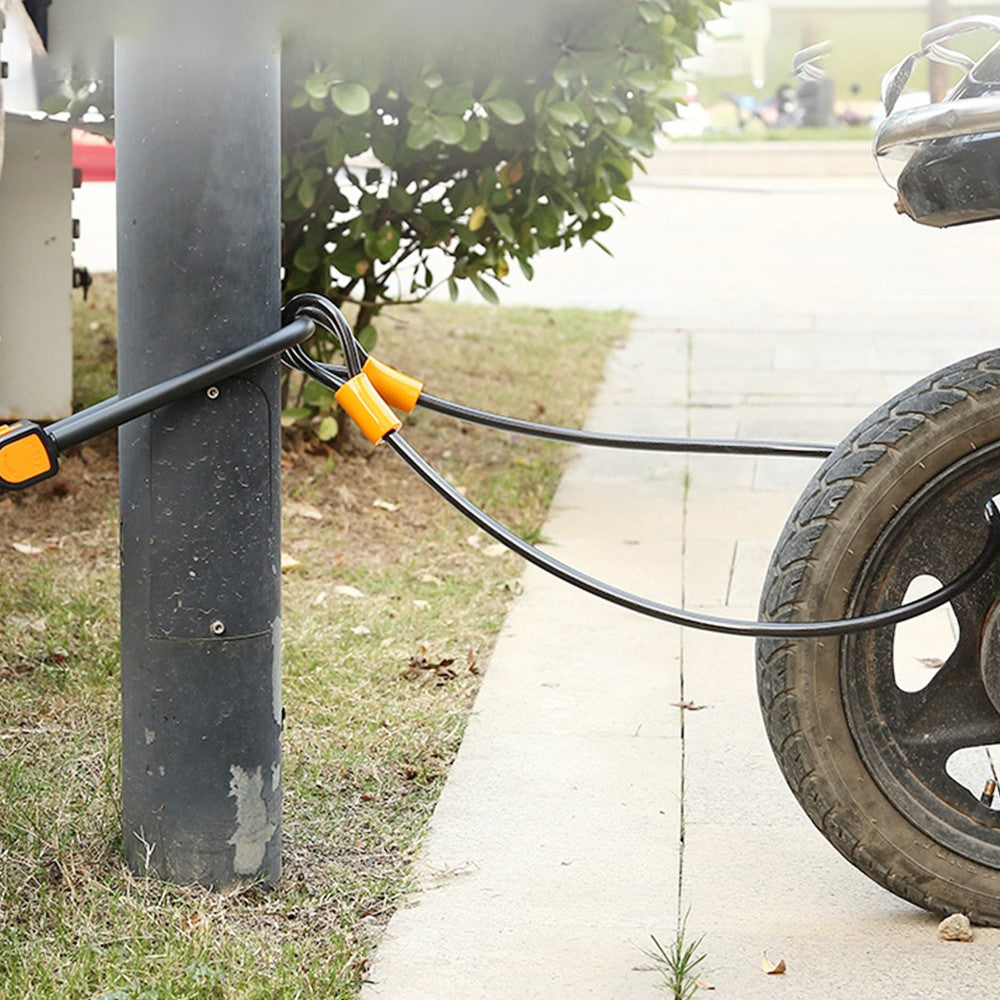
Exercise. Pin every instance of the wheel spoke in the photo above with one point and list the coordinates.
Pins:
(952, 712)
(954, 709)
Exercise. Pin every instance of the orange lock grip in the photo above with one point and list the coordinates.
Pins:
(27, 455)
(367, 408)
(397, 389)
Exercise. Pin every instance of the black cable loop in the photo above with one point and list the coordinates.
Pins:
(322, 311)
(599, 439)
(664, 612)
(678, 616)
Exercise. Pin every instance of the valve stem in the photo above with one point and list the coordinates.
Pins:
(989, 790)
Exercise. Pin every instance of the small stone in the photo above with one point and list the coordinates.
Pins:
(955, 928)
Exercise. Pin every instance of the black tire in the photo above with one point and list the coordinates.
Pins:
(902, 496)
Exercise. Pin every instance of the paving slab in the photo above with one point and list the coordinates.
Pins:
(585, 811)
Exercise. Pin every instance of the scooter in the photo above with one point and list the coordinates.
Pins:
(874, 760)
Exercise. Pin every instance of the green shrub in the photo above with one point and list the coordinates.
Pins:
(471, 162)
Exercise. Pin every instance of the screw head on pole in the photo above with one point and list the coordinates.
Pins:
(217, 627)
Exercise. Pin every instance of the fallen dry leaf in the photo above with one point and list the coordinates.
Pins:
(688, 705)
(770, 968)
(25, 549)
(704, 984)
(298, 509)
(494, 550)
(35, 624)
(289, 563)
(346, 590)
(361, 630)
(930, 661)
(386, 505)
(422, 668)
(10, 672)
(195, 921)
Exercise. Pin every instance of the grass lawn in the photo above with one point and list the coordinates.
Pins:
(377, 688)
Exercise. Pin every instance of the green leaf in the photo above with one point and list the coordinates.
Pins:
(566, 112)
(417, 93)
(507, 110)
(351, 98)
(306, 258)
(327, 429)
(400, 200)
(307, 193)
(369, 203)
(646, 80)
(315, 86)
(492, 89)
(526, 269)
(453, 100)
(319, 397)
(355, 132)
(335, 151)
(367, 338)
(384, 147)
(453, 289)
(559, 161)
(450, 131)
(421, 135)
(650, 13)
(606, 114)
(295, 413)
(383, 243)
(487, 291)
(504, 228)
(671, 89)
(324, 129)
(473, 139)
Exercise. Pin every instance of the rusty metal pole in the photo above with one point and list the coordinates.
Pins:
(197, 121)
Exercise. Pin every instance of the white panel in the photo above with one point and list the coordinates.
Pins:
(36, 245)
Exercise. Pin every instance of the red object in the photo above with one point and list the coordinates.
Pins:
(94, 156)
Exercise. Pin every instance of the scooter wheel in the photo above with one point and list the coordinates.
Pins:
(886, 739)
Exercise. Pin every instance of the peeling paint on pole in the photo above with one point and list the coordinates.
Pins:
(254, 829)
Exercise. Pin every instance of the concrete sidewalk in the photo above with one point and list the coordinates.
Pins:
(585, 812)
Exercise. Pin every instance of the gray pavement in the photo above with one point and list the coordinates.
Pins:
(585, 812)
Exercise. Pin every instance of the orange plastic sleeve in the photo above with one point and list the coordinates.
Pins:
(23, 458)
(367, 408)
(393, 386)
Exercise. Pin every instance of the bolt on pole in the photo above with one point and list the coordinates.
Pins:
(198, 171)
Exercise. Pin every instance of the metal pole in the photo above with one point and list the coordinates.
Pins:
(937, 73)
(197, 108)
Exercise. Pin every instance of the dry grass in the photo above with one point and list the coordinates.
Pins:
(375, 713)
